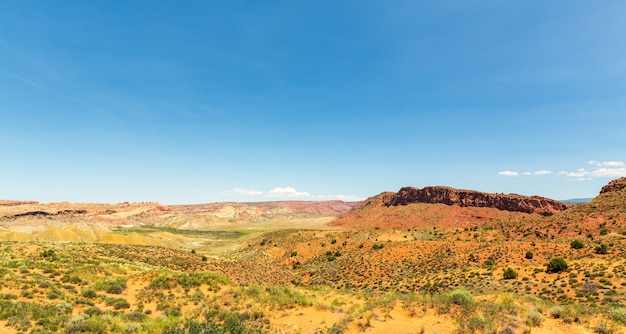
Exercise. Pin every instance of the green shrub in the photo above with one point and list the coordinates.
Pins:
(577, 244)
(529, 256)
(172, 311)
(603, 328)
(104, 284)
(49, 254)
(120, 303)
(188, 280)
(135, 317)
(556, 265)
(509, 273)
(534, 319)
(92, 311)
(618, 314)
(86, 325)
(602, 249)
(64, 307)
(115, 289)
(559, 312)
(462, 298)
(89, 293)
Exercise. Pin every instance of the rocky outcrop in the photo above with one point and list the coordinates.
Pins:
(614, 186)
(443, 207)
(470, 198)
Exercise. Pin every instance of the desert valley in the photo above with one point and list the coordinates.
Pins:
(431, 260)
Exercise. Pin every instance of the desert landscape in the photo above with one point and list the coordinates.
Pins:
(431, 260)
(312, 167)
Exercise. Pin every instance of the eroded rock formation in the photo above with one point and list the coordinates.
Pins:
(470, 198)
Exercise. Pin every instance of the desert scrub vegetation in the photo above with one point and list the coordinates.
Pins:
(280, 297)
(171, 280)
(113, 285)
(216, 320)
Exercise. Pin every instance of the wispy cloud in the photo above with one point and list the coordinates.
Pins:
(581, 172)
(513, 173)
(612, 169)
(291, 193)
(606, 163)
(286, 192)
(54, 93)
(248, 192)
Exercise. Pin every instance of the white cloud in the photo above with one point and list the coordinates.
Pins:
(581, 172)
(290, 192)
(248, 192)
(527, 173)
(286, 192)
(542, 172)
(508, 173)
(612, 169)
(606, 163)
(609, 172)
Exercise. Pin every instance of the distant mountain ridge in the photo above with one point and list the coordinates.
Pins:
(576, 200)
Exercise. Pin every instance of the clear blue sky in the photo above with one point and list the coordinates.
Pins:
(202, 101)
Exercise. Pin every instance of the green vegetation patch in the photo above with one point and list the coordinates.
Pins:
(146, 229)
(188, 280)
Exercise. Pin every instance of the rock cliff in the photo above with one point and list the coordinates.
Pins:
(443, 207)
(470, 198)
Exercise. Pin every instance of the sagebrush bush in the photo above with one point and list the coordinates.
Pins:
(534, 319)
(558, 312)
(462, 298)
(618, 314)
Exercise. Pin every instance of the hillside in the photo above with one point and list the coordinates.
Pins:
(32, 217)
(443, 207)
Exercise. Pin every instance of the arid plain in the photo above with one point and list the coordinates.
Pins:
(431, 260)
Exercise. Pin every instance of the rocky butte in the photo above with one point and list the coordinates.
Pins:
(443, 207)
(471, 198)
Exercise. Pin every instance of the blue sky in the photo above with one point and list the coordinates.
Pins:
(203, 101)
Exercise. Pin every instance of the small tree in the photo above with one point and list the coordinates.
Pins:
(556, 265)
(602, 249)
(577, 244)
(509, 273)
(529, 255)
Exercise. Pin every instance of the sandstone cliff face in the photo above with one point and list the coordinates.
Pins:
(469, 198)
